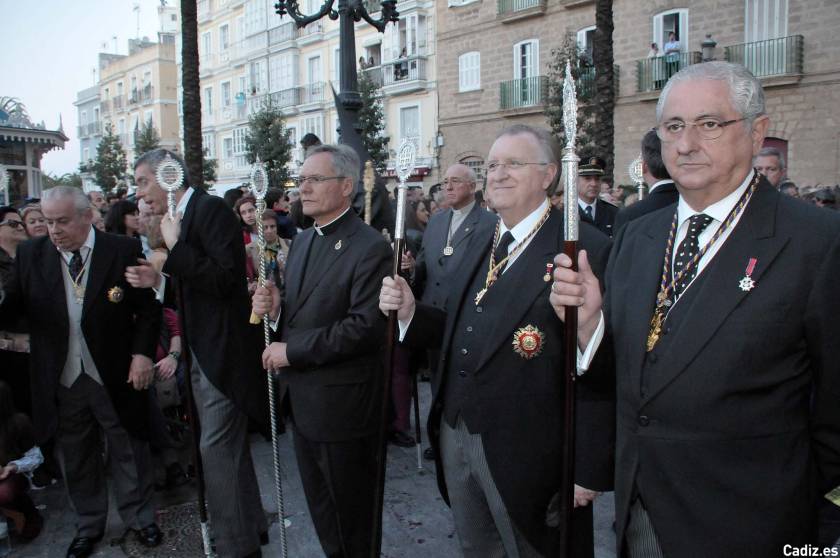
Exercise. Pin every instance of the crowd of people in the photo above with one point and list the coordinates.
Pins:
(706, 394)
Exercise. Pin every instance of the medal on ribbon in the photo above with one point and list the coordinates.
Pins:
(528, 342)
(747, 284)
(115, 294)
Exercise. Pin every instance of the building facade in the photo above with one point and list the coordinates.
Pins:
(250, 56)
(140, 88)
(89, 132)
(495, 57)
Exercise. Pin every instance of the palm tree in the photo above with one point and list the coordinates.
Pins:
(604, 101)
(191, 100)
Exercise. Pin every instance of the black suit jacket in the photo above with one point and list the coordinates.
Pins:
(433, 268)
(604, 216)
(334, 333)
(208, 262)
(738, 433)
(664, 195)
(517, 406)
(114, 331)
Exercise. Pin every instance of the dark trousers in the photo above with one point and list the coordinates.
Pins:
(339, 479)
(84, 410)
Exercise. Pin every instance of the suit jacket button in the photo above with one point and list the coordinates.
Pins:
(644, 420)
(652, 358)
(469, 329)
(479, 309)
(462, 373)
(464, 351)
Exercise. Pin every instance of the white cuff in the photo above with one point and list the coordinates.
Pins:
(585, 359)
(404, 324)
(160, 290)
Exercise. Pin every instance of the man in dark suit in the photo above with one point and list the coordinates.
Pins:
(496, 423)
(207, 260)
(593, 209)
(93, 338)
(728, 423)
(662, 191)
(328, 351)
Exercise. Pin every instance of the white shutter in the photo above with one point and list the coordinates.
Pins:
(469, 71)
(388, 40)
(684, 36)
(657, 32)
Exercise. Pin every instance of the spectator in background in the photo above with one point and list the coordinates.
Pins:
(825, 197)
(246, 210)
(12, 233)
(98, 221)
(111, 199)
(232, 196)
(771, 163)
(309, 140)
(34, 220)
(123, 218)
(672, 54)
(97, 200)
(274, 257)
(293, 194)
(277, 201)
(789, 188)
(654, 51)
(19, 456)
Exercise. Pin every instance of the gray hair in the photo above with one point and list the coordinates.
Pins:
(549, 147)
(772, 152)
(745, 91)
(80, 199)
(345, 161)
(155, 157)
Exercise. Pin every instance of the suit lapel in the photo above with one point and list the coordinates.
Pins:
(753, 237)
(100, 263)
(340, 245)
(294, 268)
(467, 227)
(526, 276)
(52, 271)
(189, 212)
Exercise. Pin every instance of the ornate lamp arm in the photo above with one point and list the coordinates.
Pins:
(292, 8)
(389, 13)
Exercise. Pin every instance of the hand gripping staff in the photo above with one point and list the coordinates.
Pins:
(406, 155)
(170, 177)
(259, 187)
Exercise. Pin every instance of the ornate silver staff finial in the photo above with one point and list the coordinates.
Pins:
(636, 175)
(406, 155)
(570, 158)
(170, 177)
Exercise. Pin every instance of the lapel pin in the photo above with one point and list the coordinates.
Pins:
(747, 284)
(548, 268)
(115, 295)
(338, 245)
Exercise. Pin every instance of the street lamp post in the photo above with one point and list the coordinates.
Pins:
(347, 13)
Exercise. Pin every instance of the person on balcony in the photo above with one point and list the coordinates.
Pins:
(672, 54)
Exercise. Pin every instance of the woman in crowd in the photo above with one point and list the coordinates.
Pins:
(19, 456)
(123, 218)
(246, 209)
(36, 224)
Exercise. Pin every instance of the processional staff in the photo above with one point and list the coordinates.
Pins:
(570, 206)
(406, 155)
(369, 182)
(637, 176)
(170, 176)
(259, 187)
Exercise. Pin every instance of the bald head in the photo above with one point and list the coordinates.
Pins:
(459, 185)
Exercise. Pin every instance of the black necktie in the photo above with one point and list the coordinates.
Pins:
(588, 211)
(76, 265)
(687, 249)
(501, 251)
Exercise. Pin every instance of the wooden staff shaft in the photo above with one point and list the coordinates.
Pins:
(567, 479)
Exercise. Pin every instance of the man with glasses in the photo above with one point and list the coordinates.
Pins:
(771, 163)
(496, 423)
(328, 351)
(722, 313)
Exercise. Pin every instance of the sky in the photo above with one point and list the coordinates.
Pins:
(50, 50)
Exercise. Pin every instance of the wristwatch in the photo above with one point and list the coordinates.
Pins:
(175, 354)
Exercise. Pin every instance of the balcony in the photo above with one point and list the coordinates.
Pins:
(204, 11)
(404, 75)
(513, 10)
(771, 58)
(284, 33)
(105, 106)
(312, 96)
(523, 93)
(119, 103)
(652, 73)
(147, 94)
(90, 129)
(287, 99)
(586, 82)
(311, 33)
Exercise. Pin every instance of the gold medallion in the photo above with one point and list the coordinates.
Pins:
(528, 342)
(448, 251)
(115, 294)
(79, 291)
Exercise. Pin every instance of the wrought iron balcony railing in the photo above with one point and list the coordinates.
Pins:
(774, 57)
(652, 73)
(586, 82)
(521, 93)
(511, 7)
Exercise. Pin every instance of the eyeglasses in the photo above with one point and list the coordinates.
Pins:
(510, 165)
(12, 224)
(315, 179)
(707, 128)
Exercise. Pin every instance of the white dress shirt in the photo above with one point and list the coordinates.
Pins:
(583, 205)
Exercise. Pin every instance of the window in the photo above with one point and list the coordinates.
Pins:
(313, 70)
(313, 125)
(408, 35)
(147, 78)
(585, 41)
(96, 114)
(255, 17)
(119, 89)
(86, 154)
(208, 100)
(258, 76)
(209, 143)
(224, 37)
(469, 71)
(765, 19)
(672, 21)
(526, 59)
(239, 140)
(135, 129)
(410, 125)
(226, 98)
(243, 84)
(206, 43)
(83, 118)
(147, 117)
(227, 147)
(336, 74)
(121, 127)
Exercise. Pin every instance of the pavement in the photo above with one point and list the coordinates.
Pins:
(416, 521)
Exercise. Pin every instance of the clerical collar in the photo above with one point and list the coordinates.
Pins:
(329, 228)
(464, 210)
